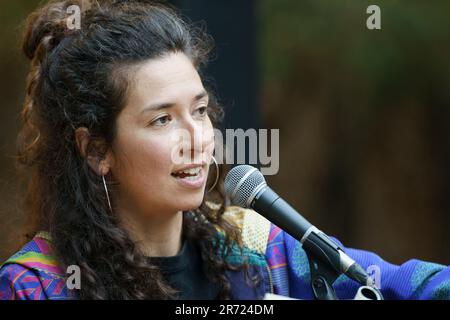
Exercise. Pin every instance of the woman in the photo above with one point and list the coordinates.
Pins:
(104, 103)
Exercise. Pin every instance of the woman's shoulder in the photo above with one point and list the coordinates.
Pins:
(254, 227)
(32, 272)
(254, 230)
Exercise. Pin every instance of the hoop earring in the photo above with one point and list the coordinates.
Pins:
(217, 174)
(107, 193)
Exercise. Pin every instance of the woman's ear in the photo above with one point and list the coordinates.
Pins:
(82, 139)
(101, 164)
(106, 164)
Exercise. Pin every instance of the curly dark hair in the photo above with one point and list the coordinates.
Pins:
(80, 78)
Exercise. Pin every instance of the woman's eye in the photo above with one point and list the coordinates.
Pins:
(201, 111)
(161, 121)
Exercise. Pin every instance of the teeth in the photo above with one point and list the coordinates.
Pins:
(192, 171)
(192, 178)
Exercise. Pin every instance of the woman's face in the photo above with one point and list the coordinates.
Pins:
(163, 129)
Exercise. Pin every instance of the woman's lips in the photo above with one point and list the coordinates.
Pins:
(193, 182)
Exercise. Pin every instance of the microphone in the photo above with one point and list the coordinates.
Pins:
(246, 187)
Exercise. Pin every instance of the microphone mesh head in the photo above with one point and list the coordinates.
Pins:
(241, 182)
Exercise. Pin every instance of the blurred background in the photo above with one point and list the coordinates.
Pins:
(364, 115)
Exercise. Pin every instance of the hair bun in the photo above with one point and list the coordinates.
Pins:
(45, 28)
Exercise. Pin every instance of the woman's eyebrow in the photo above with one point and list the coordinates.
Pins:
(167, 105)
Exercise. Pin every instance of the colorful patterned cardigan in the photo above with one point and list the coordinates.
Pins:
(33, 273)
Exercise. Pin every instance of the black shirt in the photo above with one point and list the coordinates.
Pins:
(184, 272)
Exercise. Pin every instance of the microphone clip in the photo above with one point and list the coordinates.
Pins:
(322, 278)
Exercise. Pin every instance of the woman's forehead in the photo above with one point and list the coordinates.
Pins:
(170, 77)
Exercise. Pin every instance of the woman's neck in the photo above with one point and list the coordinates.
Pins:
(155, 238)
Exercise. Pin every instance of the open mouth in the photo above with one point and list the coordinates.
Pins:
(188, 174)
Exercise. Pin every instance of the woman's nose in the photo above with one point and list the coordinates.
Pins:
(195, 141)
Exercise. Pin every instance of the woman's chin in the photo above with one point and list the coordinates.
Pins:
(191, 203)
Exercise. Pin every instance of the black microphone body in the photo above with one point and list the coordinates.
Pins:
(269, 204)
(246, 187)
(275, 209)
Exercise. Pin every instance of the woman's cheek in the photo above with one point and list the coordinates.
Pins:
(140, 156)
(154, 155)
